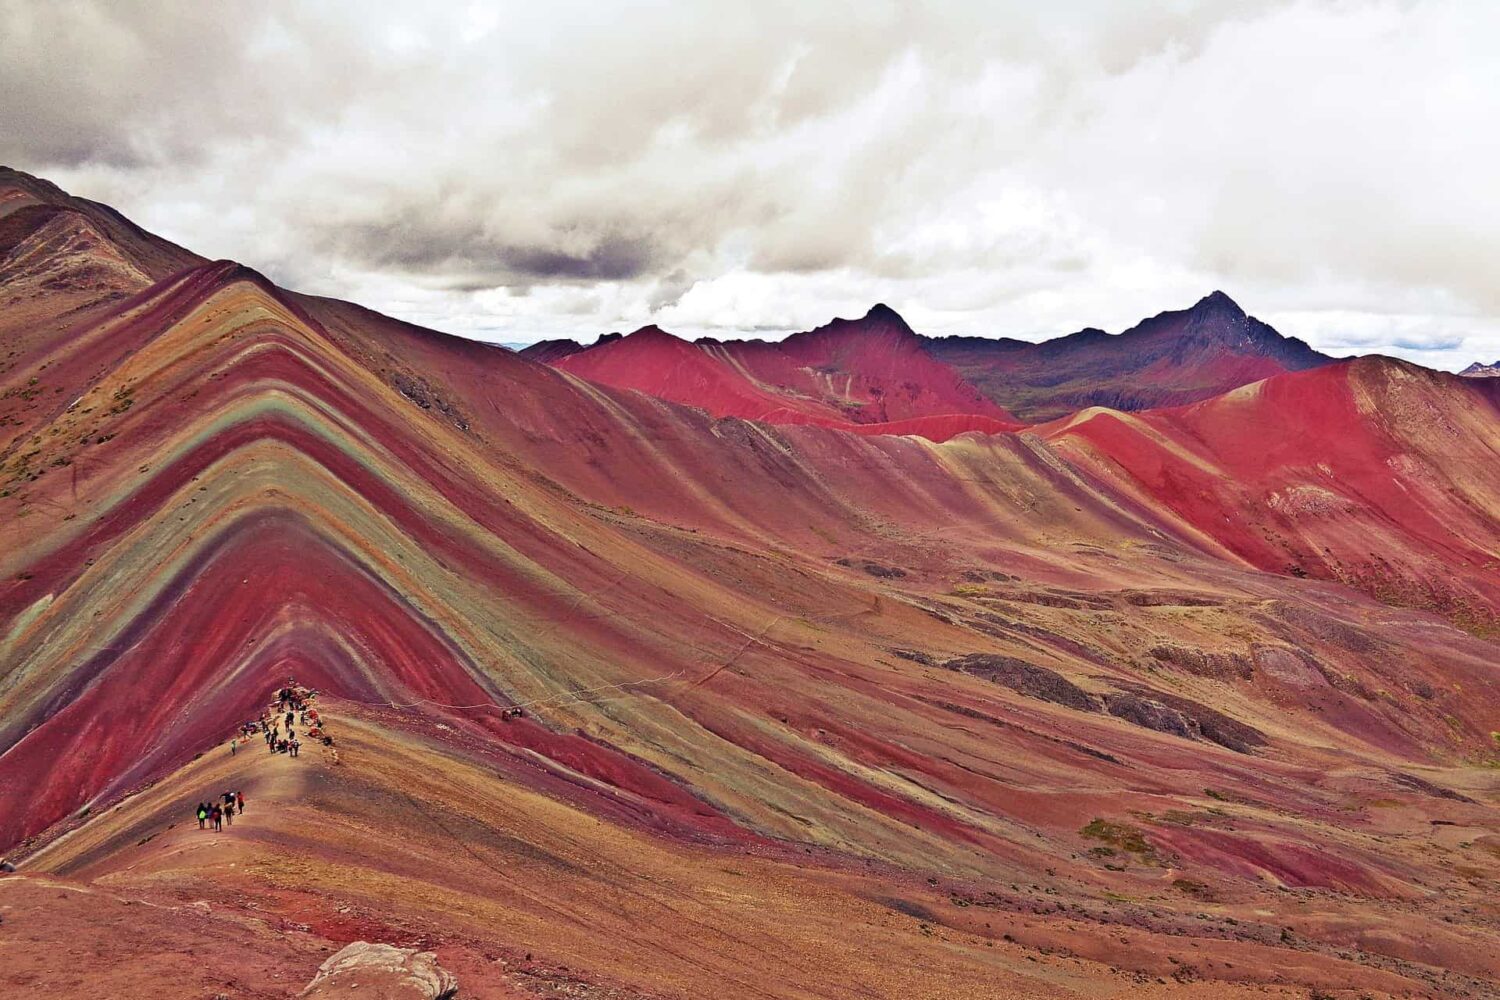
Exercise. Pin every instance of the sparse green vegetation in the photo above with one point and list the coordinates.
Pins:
(1123, 836)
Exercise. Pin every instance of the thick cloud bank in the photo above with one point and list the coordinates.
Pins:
(1017, 169)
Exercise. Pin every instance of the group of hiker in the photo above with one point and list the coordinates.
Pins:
(220, 811)
(291, 707)
(278, 723)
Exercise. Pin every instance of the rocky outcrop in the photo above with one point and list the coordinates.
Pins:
(1204, 663)
(875, 569)
(1148, 713)
(1137, 704)
(1025, 678)
(382, 972)
(1170, 713)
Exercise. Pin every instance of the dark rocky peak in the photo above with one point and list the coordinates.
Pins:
(1217, 320)
(1216, 324)
(880, 328)
(885, 315)
(1216, 303)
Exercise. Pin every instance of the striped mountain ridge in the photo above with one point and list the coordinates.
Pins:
(783, 689)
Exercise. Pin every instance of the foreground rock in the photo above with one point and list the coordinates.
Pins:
(382, 972)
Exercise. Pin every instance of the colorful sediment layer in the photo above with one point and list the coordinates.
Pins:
(1187, 702)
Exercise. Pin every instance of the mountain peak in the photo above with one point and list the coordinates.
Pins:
(1217, 321)
(882, 313)
(1218, 302)
(649, 341)
(648, 332)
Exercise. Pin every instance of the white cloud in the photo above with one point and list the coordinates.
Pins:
(519, 171)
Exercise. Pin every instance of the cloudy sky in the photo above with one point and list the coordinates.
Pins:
(518, 171)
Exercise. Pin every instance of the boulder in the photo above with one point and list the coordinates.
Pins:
(382, 972)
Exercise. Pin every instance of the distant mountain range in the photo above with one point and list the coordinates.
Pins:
(1479, 370)
(876, 369)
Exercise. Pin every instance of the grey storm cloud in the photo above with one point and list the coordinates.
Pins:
(1003, 168)
(472, 258)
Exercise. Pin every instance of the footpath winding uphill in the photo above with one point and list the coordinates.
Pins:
(632, 700)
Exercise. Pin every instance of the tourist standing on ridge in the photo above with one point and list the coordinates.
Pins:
(233, 746)
(239, 800)
(217, 815)
(202, 814)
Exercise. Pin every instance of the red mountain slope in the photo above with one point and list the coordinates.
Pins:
(873, 369)
(851, 373)
(1373, 472)
(659, 364)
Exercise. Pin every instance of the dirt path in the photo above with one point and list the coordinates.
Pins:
(166, 828)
